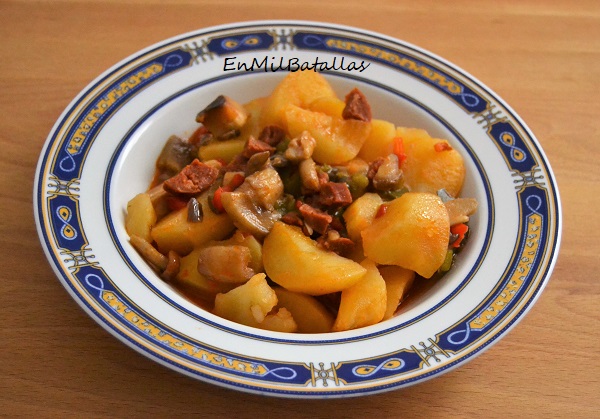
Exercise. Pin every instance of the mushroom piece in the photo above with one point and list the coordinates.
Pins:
(301, 147)
(222, 116)
(226, 263)
(460, 209)
(308, 174)
(175, 155)
(388, 175)
(257, 162)
(168, 265)
(252, 205)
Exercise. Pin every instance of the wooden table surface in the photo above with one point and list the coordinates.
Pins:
(543, 58)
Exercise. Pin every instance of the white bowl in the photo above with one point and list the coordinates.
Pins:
(102, 152)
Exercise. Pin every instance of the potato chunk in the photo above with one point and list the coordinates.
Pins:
(175, 232)
(380, 141)
(281, 321)
(248, 304)
(338, 140)
(364, 303)
(413, 233)
(429, 170)
(140, 217)
(251, 304)
(300, 88)
(328, 105)
(221, 150)
(397, 283)
(360, 214)
(252, 126)
(298, 264)
(310, 315)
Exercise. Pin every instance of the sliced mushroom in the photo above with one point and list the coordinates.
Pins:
(247, 215)
(301, 147)
(308, 174)
(266, 186)
(157, 193)
(175, 155)
(172, 268)
(222, 116)
(388, 174)
(460, 209)
(257, 162)
(252, 205)
(167, 266)
(226, 263)
(149, 253)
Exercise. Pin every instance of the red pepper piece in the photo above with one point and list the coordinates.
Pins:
(216, 201)
(236, 181)
(398, 150)
(460, 230)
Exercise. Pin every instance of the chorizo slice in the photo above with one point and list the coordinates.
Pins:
(335, 194)
(254, 146)
(193, 179)
(318, 220)
(357, 107)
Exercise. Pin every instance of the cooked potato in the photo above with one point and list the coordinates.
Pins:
(298, 264)
(248, 304)
(380, 141)
(252, 304)
(221, 150)
(253, 126)
(397, 283)
(428, 170)
(175, 232)
(412, 134)
(310, 315)
(413, 233)
(360, 214)
(338, 140)
(300, 88)
(364, 303)
(281, 321)
(328, 105)
(140, 217)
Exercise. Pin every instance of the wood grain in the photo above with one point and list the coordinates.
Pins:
(543, 58)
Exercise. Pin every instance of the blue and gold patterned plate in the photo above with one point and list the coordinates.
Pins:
(102, 151)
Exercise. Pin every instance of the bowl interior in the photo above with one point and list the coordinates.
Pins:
(135, 163)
